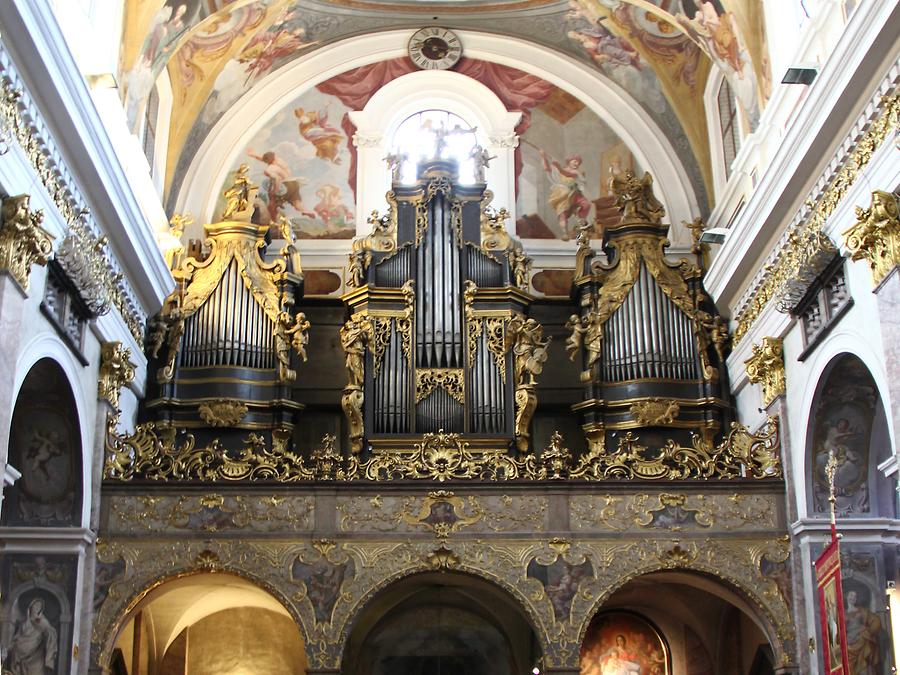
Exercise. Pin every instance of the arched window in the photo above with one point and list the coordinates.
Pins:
(151, 118)
(416, 138)
(728, 125)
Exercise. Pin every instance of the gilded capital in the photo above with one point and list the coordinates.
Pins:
(116, 370)
(23, 242)
(766, 367)
(875, 236)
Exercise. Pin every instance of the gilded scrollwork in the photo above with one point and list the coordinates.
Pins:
(875, 237)
(451, 380)
(23, 242)
(806, 244)
(222, 412)
(116, 370)
(157, 452)
(494, 236)
(655, 411)
(766, 367)
(555, 460)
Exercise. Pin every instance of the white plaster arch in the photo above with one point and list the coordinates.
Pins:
(48, 345)
(841, 341)
(445, 90)
(651, 148)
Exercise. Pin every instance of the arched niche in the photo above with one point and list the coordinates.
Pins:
(45, 446)
(847, 417)
(671, 622)
(451, 623)
(179, 627)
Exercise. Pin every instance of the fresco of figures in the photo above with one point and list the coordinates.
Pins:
(300, 162)
(845, 415)
(305, 164)
(622, 643)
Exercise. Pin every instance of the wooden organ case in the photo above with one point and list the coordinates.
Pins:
(651, 345)
(222, 343)
(438, 336)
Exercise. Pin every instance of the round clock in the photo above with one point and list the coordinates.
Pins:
(434, 48)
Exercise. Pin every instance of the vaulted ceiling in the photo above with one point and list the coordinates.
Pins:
(660, 52)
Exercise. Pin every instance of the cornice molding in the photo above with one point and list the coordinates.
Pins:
(36, 59)
(827, 111)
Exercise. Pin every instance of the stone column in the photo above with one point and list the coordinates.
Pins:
(12, 303)
(778, 408)
(887, 294)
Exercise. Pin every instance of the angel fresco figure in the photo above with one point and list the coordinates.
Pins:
(34, 647)
(606, 48)
(280, 186)
(567, 193)
(314, 127)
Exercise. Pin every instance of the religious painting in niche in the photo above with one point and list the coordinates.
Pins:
(45, 446)
(37, 630)
(567, 155)
(867, 623)
(323, 580)
(560, 580)
(844, 415)
(301, 162)
(623, 643)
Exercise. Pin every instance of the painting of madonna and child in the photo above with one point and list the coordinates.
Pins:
(621, 643)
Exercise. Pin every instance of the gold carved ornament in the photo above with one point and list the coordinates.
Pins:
(83, 256)
(875, 237)
(807, 243)
(156, 452)
(222, 412)
(493, 327)
(525, 340)
(655, 411)
(23, 242)
(116, 370)
(741, 454)
(451, 380)
(237, 242)
(357, 335)
(383, 239)
(766, 367)
(494, 236)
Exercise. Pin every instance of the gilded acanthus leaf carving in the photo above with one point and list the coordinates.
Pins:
(23, 242)
(766, 367)
(875, 237)
(116, 370)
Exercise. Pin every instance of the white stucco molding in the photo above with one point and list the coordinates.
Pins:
(650, 146)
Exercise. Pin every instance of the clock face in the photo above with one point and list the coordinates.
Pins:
(434, 48)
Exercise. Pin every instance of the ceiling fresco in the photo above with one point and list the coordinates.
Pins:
(660, 52)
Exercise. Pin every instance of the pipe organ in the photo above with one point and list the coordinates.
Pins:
(648, 338)
(433, 316)
(223, 341)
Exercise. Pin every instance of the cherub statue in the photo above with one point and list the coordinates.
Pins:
(355, 337)
(576, 339)
(395, 163)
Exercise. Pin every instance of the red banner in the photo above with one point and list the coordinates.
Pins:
(831, 608)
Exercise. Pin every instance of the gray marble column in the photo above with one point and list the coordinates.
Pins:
(12, 303)
(778, 408)
(888, 298)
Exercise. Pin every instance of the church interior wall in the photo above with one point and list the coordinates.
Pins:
(723, 569)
